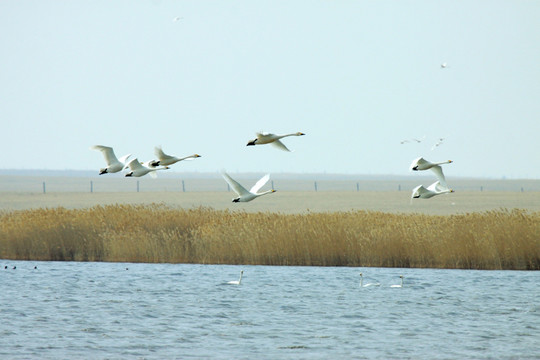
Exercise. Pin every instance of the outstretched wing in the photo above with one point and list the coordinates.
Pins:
(259, 184)
(280, 145)
(135, 164)
(161, 155)
(108, 154)
(437, 169)
(239, 189)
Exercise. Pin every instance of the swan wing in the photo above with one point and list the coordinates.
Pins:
(437, 169)
(259, 184)
(108, 154)
(135, 165)
(419, 191)
(158, 151)
(239, 189)
(280, 145)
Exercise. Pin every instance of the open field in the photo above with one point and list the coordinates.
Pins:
(295, 194)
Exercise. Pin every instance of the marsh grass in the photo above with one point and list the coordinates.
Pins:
(155, 233)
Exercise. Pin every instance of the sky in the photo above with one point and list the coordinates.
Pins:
(357, 77)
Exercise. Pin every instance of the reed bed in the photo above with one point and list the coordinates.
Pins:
(499, 239)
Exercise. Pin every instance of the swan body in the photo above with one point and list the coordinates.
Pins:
(420, 192)
(420, 164)
(399, 285)
(114, 164)
(267, 138)
(239, 281)
(138, 169)
(368, 284)
(165, 160)
(245, 195)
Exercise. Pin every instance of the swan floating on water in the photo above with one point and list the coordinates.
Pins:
(114, 165)
(165, 160)
(400, 285)
(267, 138)
(368, 284)
(243, 194)
(138, 169)
(237, 282)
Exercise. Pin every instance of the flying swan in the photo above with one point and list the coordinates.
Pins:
(138, 169)
(165, 160)
(422, 164)
(267, 138)
(237, 282)
(420, 192)
(113, 164)
(243, 194)
(399, 285)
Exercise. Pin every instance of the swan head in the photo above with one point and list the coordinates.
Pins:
(252, 142)
(300, 134)
(196, 155)
(450, 161)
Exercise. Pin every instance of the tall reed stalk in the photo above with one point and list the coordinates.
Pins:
(155, 233)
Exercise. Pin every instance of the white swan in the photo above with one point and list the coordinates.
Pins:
(437, 144)
(420, 164)
(267, 138)
(400, 285)
(243, 194)
(165, 160)
(113, 164)
(138, 169)
(368, 284)
(239, 280)
(420, 192)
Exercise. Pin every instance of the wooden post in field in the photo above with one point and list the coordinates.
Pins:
(357, 187)
(183, 186)
(44, 189)
(272, 184)
(137, 185)
(91, 186)
(315, 186)
(399, 187)
(481, 188)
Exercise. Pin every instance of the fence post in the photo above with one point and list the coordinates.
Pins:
(272, 184)
(137, 185)
(399, 187)
(357, 187)
(91, 186)
(315, 186)
(44, 188)
(228, 188)
(183, 186)
(481, 188)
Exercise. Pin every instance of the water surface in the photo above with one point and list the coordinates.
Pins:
(66, 310)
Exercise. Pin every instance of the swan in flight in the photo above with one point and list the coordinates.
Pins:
(368, 284)
(138, 169)
(420, 164)
(243, 194)
(400, 285)
(113, 164)
(267, 138)
(437, 144)
(237, 282)
(420, 192)
(165, 160)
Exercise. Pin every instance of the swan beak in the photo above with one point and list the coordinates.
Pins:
(301, 134)
(452, 190)
(274, 190)
(197, 155)
(450, 161)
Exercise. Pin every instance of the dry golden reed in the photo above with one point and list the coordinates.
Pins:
(155, 233)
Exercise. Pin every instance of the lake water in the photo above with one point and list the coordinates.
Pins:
(66, 310)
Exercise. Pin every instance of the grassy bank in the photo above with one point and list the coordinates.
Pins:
(155, 233)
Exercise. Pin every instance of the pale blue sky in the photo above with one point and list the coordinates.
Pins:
(356, 76)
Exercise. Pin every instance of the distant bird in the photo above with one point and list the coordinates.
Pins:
(438, 143)
(239, 280)
(413, 139)
(138, 169)
(368, 284)
(420, 192)
(267, 138)
(165, 160)
(420, 164)
(178, 18)
(113, 164)
(444, 65)
(400, 285)
(243, 194)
